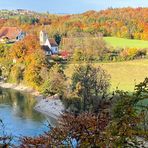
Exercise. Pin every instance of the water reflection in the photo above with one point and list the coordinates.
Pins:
(22, 104)
(18, 115)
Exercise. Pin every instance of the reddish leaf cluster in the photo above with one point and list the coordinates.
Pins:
(85, 129)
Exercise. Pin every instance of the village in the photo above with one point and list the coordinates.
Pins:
(11, 35)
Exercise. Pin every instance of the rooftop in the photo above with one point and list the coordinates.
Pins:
(10, 32)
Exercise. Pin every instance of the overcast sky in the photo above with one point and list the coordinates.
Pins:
(69, 6)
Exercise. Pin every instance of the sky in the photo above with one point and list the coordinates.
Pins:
(69, 6)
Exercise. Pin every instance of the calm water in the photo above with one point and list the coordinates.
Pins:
(18, 115)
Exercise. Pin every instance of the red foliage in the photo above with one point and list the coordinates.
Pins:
(87, 129)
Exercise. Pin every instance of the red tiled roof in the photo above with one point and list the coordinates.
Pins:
(10, 32)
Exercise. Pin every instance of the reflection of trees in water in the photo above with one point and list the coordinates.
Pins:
(21, 103)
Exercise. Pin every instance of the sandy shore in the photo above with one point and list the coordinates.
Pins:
(50, 106)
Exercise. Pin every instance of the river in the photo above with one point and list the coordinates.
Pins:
(18, 115)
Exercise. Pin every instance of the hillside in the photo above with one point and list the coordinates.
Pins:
(131, 23)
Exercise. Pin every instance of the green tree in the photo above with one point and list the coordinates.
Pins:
(129, 122)
(57, 38)
(16, 74)
(90, 83)
(4, 50)
(56, 82)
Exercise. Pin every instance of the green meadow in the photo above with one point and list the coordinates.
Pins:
(124, 75)
(122, 43)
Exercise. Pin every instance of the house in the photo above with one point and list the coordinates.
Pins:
(49, 44)
(11, 34)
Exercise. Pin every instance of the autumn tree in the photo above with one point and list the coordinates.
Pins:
(89, 49)
(32, 61)
(35, 63)
(84, 130)
(90, 83)
(23, 48)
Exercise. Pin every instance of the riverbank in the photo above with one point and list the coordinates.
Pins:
(20, 87)
(49, 106)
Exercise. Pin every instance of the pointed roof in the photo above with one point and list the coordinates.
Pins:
(47, 43)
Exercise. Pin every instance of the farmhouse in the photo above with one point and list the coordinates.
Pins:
(11, 34)
(49, 45)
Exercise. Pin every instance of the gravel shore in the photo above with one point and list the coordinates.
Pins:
(50, 106)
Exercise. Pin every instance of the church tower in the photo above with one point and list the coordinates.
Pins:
(43, 37)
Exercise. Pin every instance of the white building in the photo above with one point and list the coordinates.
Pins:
(49, 45)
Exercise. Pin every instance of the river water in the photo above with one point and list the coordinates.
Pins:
(18, 115)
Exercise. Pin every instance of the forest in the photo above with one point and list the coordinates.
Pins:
(124, 22)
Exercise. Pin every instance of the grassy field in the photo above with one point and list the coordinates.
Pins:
(120, 42)
(124, 75)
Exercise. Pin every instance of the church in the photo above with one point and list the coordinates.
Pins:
(49, 44)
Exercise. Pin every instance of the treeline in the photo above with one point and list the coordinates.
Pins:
(129, 23)
(95, 49)
(126, 22)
